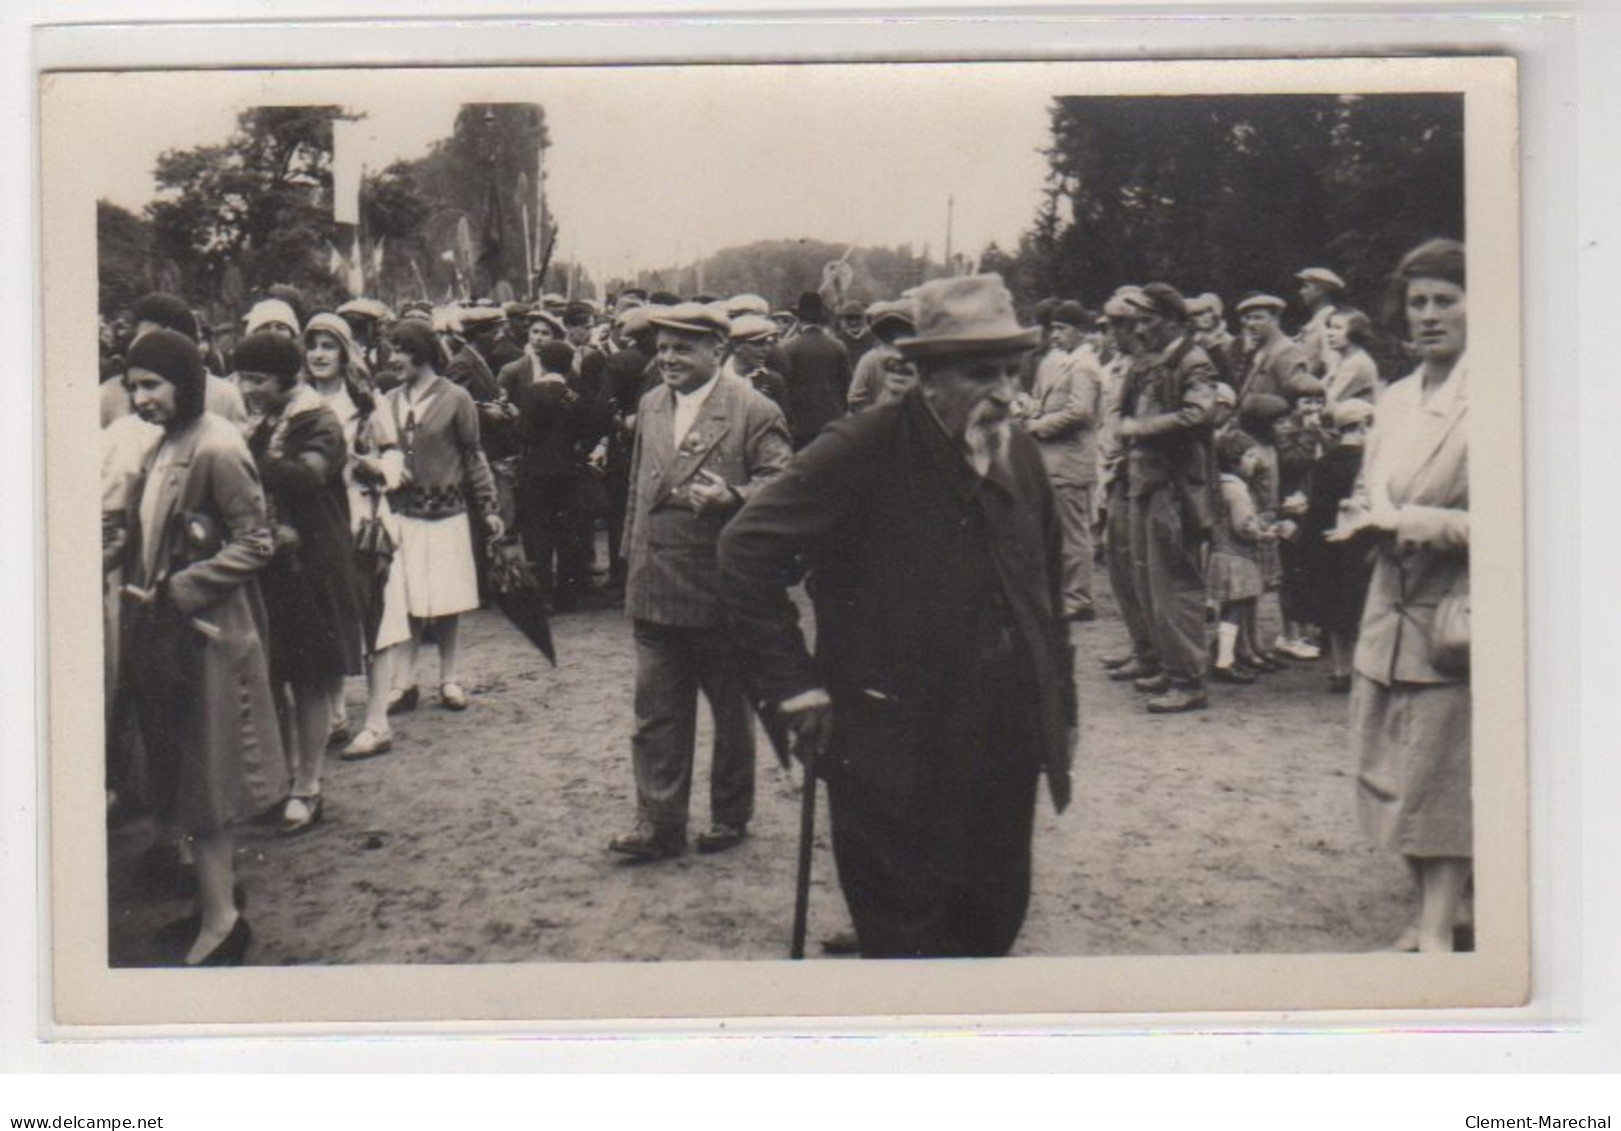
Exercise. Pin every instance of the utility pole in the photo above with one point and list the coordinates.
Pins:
(951, 204)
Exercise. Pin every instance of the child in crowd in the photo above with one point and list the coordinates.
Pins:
(1234, 573)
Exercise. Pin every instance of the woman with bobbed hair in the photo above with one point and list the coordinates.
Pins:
(1410, 697)
(1354, 375)
(375, 467)
(192, 542)
(445, 473)
(309, 586)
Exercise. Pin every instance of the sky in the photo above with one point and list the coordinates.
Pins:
(653, 166)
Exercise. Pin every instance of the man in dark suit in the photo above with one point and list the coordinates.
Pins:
(942, 686)
(705, 442)
(818, 371)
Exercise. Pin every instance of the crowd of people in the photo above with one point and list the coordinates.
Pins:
(316, 497)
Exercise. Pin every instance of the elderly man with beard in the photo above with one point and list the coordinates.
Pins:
(705, 442)
(942, 686)
(1165, 425)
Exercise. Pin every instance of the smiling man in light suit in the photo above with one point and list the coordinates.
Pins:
(705, 440)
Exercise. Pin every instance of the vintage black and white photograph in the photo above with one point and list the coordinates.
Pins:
(606, 520)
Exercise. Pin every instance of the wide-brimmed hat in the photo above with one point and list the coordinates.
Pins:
(972, 313)
(1322, 276)
(691, 318)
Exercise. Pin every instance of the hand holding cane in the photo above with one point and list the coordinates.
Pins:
(809, 720)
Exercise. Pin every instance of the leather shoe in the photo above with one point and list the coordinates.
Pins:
(720, 836)
(1080, 616)
(1153, 685)
(1232, 675)
(650, 842)
(1132, 670)
(1115, 663)
(1178, 700)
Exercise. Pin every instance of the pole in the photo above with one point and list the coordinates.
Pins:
(807, 834)
(951, 205)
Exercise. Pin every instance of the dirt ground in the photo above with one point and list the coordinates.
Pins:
(482, 837)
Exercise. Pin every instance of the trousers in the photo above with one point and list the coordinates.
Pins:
(1123, 574)
(1077, 511)
(673, 663)
(1170, 584)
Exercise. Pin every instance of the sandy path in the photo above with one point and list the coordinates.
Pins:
(482, 837)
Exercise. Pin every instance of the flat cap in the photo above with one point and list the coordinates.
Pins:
(1261, 302)
(691, 318)
(1323, 276)
(753, 328)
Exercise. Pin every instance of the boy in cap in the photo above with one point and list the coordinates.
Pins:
(942, 685)
(705, 442)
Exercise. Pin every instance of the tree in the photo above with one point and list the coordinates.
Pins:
(125, 266)
(1236, 193)
(260, 202)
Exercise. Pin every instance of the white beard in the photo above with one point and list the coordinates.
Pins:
(986, 439)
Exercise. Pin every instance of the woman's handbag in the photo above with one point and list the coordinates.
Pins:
(1449, 631)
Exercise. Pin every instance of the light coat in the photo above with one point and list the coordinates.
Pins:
(1063, 417)
(740, 436)
(1426, 479)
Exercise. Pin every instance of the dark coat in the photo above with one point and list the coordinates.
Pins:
(818, 377)
(309, 586)
(892, 524)
(546, 407)
(197, 664)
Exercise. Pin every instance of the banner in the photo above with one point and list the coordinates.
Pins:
(346, 171)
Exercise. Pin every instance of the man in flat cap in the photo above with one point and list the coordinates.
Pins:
(1165, 425)
(818, 371)
(942, 685)
(1320, 291)
(1225, 350)
(1062, 416)
(471, 367)
(854, 333)
(1278, 367)
(705, 442)
(883, 372)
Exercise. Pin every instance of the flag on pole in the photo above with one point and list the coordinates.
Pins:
(335, 264)
(346, 171)
(357, 269)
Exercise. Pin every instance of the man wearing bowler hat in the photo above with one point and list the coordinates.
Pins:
(818, 371)
(705, 442)
(1165, 426)
(942, 685)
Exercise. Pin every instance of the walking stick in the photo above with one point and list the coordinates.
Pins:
(807, 832)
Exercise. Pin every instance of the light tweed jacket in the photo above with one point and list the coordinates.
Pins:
(741, 437)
